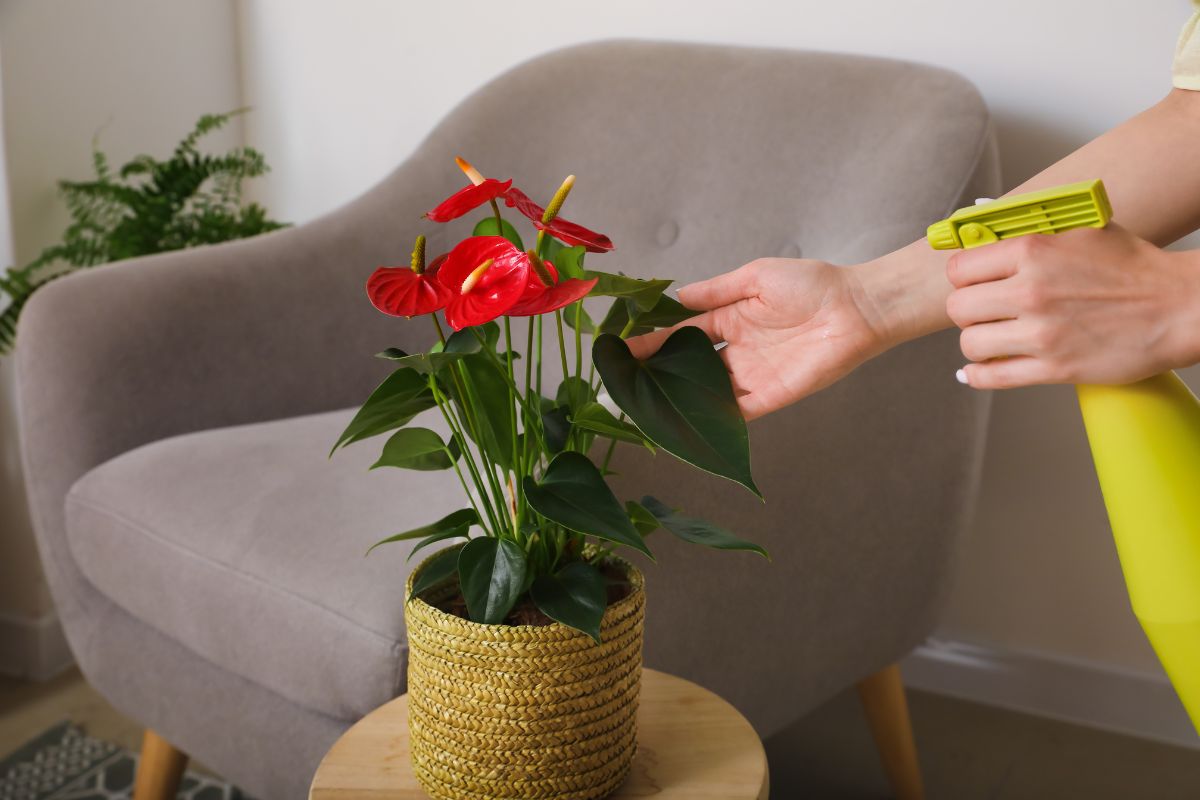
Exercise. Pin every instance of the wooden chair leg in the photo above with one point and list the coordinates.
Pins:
(882, 696)
(159, 770)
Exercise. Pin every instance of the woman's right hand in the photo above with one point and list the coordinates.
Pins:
(793, 326)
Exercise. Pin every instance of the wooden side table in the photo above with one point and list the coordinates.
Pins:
(692, 745)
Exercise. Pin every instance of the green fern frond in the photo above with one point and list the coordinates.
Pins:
(149, 206)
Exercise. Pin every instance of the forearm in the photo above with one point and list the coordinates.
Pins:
(1150, 166)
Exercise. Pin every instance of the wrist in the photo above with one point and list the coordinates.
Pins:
(1183, 335)
(903, 294)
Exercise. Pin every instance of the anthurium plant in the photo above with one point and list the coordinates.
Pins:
(540, 521)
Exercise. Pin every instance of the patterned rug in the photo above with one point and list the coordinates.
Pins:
(65, 764)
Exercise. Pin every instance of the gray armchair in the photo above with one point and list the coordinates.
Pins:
(176, 411)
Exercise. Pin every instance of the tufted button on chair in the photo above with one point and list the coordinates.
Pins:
(176, 412)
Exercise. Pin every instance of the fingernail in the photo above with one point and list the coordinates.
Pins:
(961, 377)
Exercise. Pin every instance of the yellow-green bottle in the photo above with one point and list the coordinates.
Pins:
(1145, 440)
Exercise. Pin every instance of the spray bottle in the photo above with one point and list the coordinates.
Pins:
(1145, 441)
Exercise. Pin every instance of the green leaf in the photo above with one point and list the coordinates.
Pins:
(433, 538)
(492, 573)
(698, 531)
(425, 363)
(437, 569)
(556, 426)
(645, 522)
(415, 448)
(467, 340)
(586, 325)
(490, 403)
(573, 493)
(551, 247)
(598, 419)
(576, 596)
(574, 393)
(464, 517)
(681, 398)
(569, 262)
(644, 293)
(487, 227)
(404, 394)
(666, 312)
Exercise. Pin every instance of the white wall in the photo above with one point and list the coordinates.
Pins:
(136, 74)
(343, 97)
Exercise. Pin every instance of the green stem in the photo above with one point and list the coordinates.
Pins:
(441, 400)
(518, 506)
(612, 445)
(483, 521)
(578, 339)
(462, 385)
(499, 221)
(562, 346)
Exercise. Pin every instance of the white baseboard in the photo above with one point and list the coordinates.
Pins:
(33, 648)
(1081, 692)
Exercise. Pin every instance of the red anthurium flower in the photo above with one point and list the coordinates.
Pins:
(486, 275)
(553, 298)
(467, 199)
(561, 229)
(402, 292)
(535, 286)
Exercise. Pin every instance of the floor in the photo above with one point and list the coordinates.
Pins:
(968, 751)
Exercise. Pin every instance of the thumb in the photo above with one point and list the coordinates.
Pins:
(719, 291)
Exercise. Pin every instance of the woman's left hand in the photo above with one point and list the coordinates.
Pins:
(1085, 306)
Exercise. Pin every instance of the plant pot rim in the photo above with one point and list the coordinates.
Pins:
(529, 633)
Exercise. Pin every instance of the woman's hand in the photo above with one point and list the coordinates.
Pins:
(792, 327)
(1086, 306)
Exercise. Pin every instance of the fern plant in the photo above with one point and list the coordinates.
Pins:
(148, 206)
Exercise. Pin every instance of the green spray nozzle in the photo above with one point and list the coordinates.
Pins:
(1076, 205)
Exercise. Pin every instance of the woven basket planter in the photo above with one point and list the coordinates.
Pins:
(522, 712)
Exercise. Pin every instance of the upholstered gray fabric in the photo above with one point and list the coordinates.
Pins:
(694, 159)
(200, 528)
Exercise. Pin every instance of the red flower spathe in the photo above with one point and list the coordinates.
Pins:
(554, 298)
(561, 229)
(400, 292)
(493, 292)
(467, 199)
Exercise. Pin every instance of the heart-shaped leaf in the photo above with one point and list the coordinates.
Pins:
(598, 419)
(487, 227)
(645, 522)
(681, 398)
(573, 392)
(415, 448)
(434, 538)
(666, 312)
(402, 395)
(569, 263)
(556, 426)
(698, 531)
(576, 596)
(437, 569)
(644, 293)
(492, 573)
(490, 405)
(573, 493)
(463, 518)
(586, 325)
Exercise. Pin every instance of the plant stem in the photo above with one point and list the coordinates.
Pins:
(562, 346)
(441, 404)
(578, 339)
(463, 387)
(499, 220)
(518, 507)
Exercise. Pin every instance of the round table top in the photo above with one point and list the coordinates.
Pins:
(692, 745)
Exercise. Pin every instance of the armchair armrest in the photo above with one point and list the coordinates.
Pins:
(118, 356)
